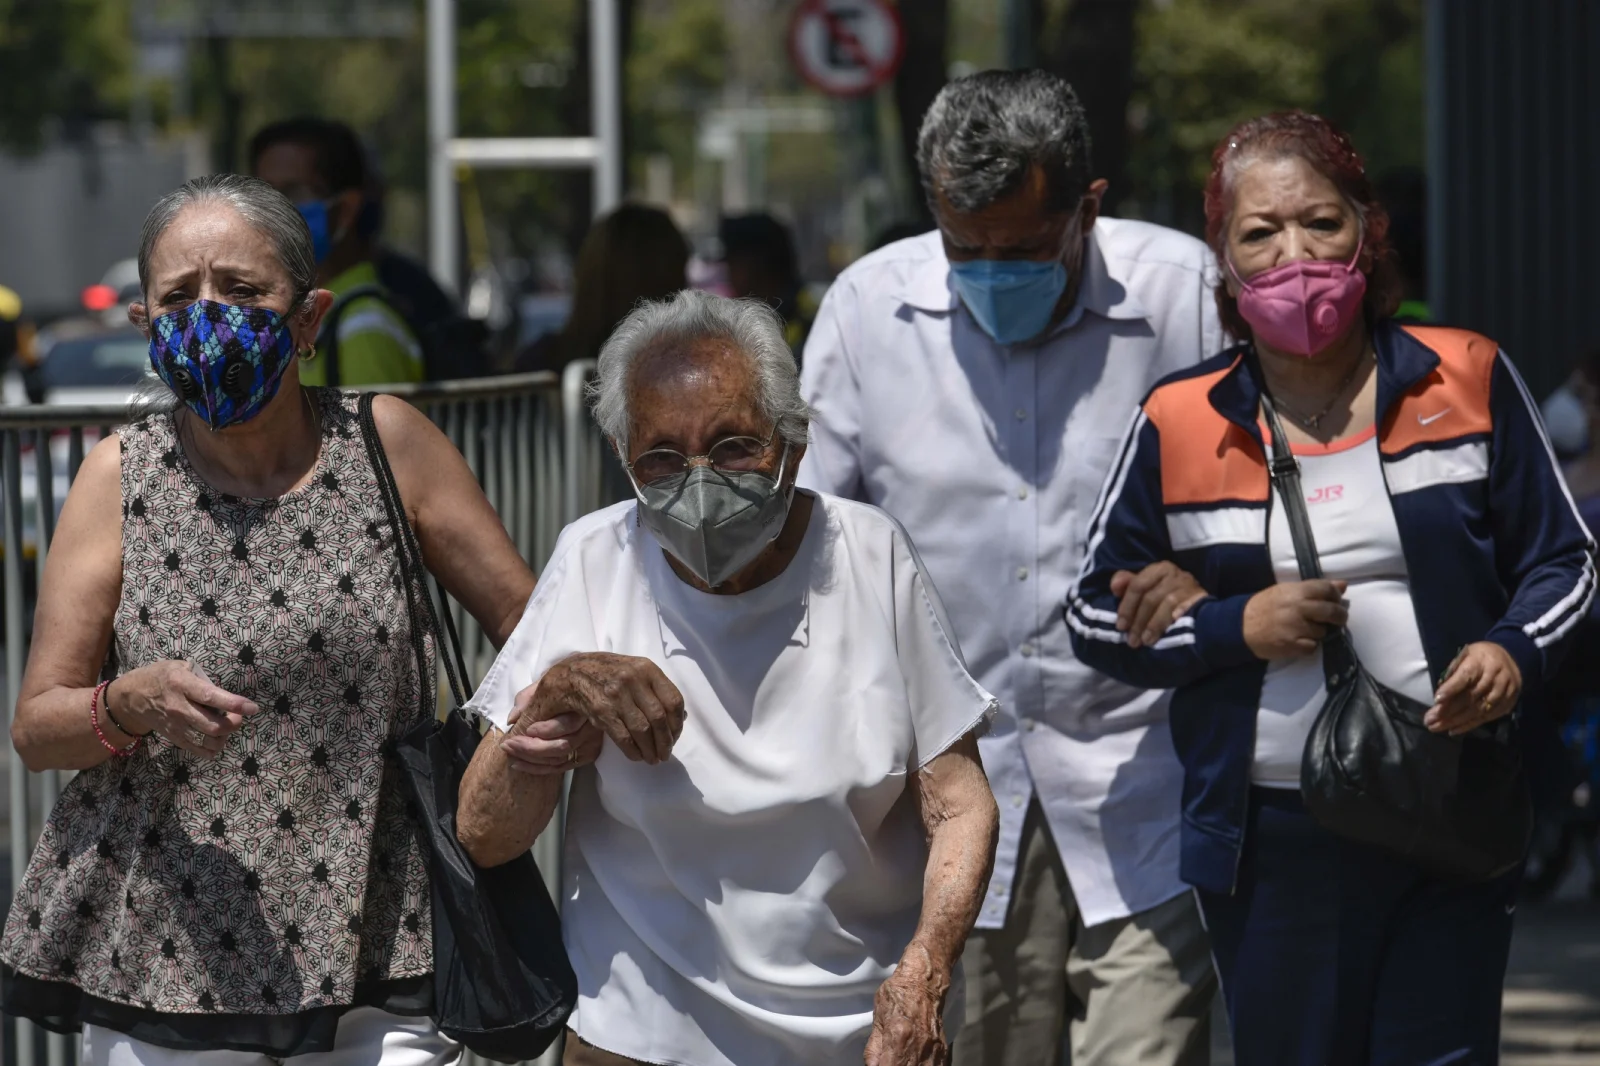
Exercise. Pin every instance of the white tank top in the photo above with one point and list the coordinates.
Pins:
(1358, 542)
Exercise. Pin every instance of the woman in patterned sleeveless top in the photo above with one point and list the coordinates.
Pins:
(234, 869)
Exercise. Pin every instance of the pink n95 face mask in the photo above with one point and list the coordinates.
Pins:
(1304, 306)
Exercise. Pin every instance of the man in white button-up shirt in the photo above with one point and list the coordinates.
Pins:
(974, 383)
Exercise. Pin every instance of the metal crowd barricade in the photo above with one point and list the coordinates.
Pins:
(527, 438)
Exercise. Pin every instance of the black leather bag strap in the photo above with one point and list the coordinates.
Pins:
(1284, 470)
(413, 574)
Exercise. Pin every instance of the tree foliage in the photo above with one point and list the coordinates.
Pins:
(63, 62)
(1201, 66)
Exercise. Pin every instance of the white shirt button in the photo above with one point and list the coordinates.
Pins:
(1022, 414)
(1022, 493)
(1017, 801)
(1022, 573)
(1026, 650)
(1029, 724)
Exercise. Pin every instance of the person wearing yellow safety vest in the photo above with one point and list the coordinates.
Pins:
(320, 165)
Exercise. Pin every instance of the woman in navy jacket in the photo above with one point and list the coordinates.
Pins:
(1453, 555)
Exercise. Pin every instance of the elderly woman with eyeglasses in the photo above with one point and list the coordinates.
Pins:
(778, 856)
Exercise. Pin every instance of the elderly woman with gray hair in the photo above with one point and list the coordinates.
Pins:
(778, 856)
(222, 650)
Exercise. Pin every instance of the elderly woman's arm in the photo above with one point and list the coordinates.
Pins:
(507, 796)
(52, 728)
(960, 817)
(464, 544)
(558, 724)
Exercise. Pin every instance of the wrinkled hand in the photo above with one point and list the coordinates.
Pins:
(1289, 620)
(627, 697)
(1484, 683)
(908, 1016)
(1151, 600)
(174, 701)
(549, 745)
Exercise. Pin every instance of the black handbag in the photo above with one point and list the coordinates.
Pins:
(502, 983)
(1372, 772)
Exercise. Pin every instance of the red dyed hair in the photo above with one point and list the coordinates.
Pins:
(1298, 134)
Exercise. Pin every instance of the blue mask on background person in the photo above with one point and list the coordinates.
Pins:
(315, 212)
(1011, 299)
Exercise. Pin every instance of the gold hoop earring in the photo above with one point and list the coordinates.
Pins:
(308, 353)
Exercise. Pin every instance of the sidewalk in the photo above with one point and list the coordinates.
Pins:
(1552, 1000)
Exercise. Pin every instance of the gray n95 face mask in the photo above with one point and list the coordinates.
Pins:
(715, 522)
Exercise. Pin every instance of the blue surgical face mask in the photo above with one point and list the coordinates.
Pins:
(1011, 299)
(315, 212)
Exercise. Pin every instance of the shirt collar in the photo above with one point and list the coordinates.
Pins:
(929, 287)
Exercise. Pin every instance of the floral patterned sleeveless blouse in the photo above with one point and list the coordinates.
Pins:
(283, 876)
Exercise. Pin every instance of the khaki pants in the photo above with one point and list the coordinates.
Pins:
(580, 1053)
(1137, 990)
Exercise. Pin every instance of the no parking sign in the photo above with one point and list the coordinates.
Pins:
(846, 47)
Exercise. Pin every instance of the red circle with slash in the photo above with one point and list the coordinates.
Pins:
(846, 47)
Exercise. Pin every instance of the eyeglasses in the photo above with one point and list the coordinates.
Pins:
(731, 454)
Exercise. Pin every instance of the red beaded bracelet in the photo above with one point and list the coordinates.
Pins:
(94, 719)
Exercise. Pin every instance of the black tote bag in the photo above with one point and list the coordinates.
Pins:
(1372, 772)
(503, 985)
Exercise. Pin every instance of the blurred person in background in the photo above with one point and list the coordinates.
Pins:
(223, 653)
(17, 337)
(1453, 559)
(1564, 764)
(1578, 441)
(321, 166)
(634, 253)
(974, 383)
(758, 252)
(427, 307)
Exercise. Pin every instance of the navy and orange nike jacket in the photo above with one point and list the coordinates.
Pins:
(1493, 546)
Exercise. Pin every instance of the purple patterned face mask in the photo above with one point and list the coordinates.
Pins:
(224, 362)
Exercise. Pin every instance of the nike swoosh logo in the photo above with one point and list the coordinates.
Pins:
(1431, 419)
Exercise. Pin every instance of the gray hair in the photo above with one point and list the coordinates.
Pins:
(750, 325)
(258, 203)
(985, 132)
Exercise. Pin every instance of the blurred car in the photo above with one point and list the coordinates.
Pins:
(81, 362)
(110, 298)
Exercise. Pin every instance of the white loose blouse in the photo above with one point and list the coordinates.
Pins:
(739, 904)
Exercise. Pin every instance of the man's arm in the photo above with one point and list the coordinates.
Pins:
(832, 462)
(961, 820)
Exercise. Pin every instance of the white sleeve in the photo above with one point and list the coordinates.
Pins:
(946, 702)
(832, 462)
(558, 622)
